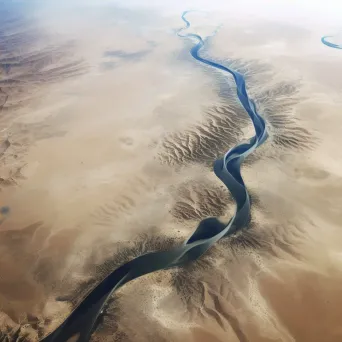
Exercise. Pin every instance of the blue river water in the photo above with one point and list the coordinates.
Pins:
(326, 42)
(83, 319)
(4, 211)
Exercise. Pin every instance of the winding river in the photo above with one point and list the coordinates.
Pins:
(326, 42)
(83, 319)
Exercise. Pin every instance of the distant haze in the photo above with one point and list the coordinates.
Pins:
(108, 133)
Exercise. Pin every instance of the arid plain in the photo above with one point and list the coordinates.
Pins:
(108, 132)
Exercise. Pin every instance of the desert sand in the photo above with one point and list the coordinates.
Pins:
(108, 132)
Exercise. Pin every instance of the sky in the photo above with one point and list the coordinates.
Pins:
(327, 13)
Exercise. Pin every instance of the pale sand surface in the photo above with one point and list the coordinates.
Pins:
(108, 132)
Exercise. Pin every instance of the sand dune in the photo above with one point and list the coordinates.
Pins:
(108, 131)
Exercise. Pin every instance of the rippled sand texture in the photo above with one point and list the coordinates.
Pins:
(108, 132)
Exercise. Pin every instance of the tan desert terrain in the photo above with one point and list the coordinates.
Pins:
(108, 132)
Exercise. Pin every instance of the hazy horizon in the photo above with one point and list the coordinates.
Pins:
(108, 133)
